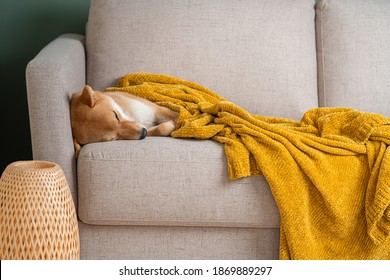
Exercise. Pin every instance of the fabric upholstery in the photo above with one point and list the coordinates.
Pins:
(353, 54)
(168, 182)
(51, 77)
(328, 173)
(207, 243)
(259, 54)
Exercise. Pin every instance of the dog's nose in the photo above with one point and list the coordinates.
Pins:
(144, 132)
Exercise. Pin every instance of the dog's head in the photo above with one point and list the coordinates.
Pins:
(95, 119)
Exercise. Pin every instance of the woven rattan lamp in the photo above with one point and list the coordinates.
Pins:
(38, 217)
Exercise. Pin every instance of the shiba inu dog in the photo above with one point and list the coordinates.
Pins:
(106, 116)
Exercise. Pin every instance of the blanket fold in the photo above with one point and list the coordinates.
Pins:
(329, 173)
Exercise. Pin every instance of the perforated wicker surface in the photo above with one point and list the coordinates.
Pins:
(38, 217)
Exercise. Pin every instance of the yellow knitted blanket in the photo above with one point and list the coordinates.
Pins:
(329, 173)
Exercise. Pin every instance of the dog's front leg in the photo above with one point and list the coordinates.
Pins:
(162, 129)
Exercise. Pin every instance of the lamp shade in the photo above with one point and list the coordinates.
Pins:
(37, 212)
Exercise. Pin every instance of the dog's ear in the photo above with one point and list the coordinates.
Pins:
(77, 148)
(88, 96)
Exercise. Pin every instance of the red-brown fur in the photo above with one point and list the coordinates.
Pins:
(106, 116)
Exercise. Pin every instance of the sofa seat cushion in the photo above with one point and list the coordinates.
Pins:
(162, 181)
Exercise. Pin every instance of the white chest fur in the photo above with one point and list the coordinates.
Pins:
(135, 111)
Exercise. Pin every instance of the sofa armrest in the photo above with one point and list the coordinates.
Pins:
(51, 78)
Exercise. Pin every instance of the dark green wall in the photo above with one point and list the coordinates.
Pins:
(26, 26)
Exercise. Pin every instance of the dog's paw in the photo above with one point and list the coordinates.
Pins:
(167, 128)
(163, 129)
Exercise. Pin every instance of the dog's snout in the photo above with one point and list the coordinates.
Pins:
(144, 133)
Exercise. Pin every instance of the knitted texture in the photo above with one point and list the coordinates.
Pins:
(329, 173)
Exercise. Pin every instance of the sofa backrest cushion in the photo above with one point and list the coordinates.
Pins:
(259, 54)
(353, 38)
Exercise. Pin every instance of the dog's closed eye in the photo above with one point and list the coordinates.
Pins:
(116, 116)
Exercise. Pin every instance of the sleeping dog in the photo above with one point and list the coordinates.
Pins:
(106, 116)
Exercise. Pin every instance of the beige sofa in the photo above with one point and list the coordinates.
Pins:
(165, 198)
